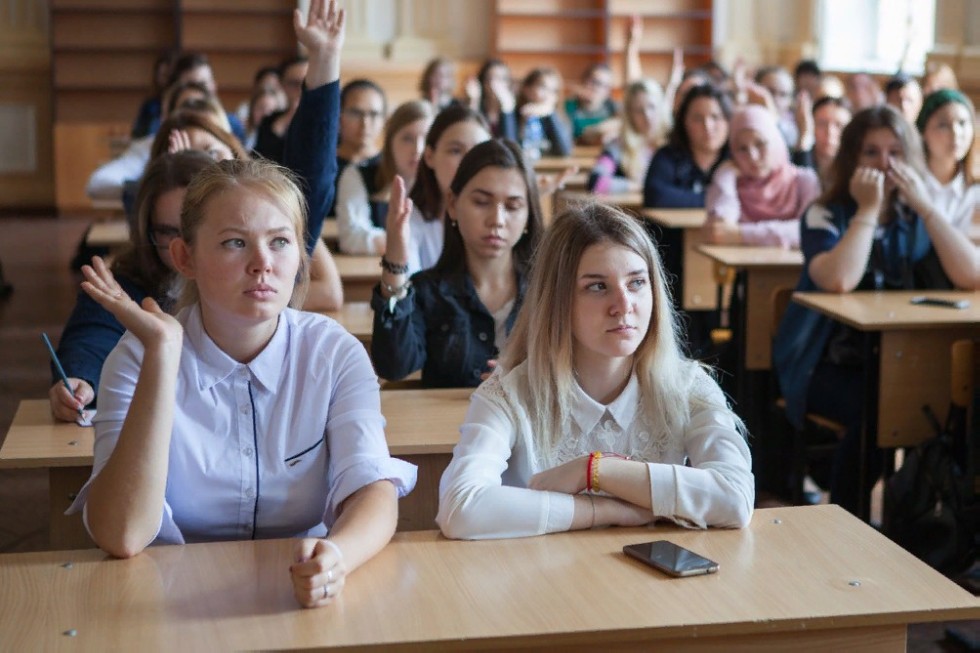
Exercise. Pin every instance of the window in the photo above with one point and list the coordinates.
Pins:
(879, 36)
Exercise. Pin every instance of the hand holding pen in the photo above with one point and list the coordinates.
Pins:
(69, 396)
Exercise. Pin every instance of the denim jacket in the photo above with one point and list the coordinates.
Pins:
(440, 326)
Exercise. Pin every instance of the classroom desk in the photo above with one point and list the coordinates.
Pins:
(422, 428)
(801, 579)
(907, 356)
(115, 234)
(697, 278)
(549, 164)
(357, 318)
(359, 275)
(632, 202)
(762, 270)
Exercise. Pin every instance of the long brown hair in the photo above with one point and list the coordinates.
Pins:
(140, 261)
(496, 153)
(851, 141)
(426, 194)
(405, 114)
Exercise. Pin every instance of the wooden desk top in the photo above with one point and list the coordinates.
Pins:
(108, 234)
(114, 233)
(358, 268)
(793, 571)
(356, 317)
(559, 163)
(676, 218)
(891, 310)
(753, 257)
(626, 200)
(418, 422)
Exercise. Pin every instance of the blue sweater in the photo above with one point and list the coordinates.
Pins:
(674, 181)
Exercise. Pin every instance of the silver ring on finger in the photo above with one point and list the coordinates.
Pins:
(326, 592)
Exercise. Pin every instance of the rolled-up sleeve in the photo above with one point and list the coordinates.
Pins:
(355, 436)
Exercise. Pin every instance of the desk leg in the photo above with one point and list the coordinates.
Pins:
(66, 531)
(417, 511)
(869, 422)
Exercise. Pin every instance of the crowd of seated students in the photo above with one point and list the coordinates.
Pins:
(572, 332)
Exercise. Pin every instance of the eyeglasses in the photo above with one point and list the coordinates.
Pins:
(357, 114)
(161, 236)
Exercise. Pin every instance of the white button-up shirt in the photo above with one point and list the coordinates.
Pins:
(266, 449)
(955, 201)
(484, 494)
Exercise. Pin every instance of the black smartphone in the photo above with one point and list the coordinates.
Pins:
(936, 301)
(671, 559)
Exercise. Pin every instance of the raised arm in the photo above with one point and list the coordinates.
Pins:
(126, 499)
(311, 141)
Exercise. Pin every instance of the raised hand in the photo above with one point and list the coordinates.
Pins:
(548, 184)
(322, 34)
(804, 120)
(471, 89)
(505, 97)
(148, 323)
(676, 68)
(397, 225)
(179, 141)
(867, 187)
(323, 29)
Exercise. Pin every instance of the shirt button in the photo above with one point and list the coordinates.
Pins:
(482, 337)
(247, 451)
(249, 493)
(244, 409)
(477, 372)
(445, 328)
(243, 372)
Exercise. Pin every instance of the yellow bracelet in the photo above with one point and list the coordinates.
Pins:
(596, 456)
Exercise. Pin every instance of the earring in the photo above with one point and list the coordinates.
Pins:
(525, 231)
(454, 223)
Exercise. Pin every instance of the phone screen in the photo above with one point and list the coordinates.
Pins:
(670, 558)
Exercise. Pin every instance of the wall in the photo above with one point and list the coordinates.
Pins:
(26, 178)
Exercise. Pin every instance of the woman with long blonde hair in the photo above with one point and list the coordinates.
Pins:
(594, 410)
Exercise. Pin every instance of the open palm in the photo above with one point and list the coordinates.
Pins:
(323, 29)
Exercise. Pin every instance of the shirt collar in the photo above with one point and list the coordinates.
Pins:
(956, 187)
(214, 365)
(587, 412)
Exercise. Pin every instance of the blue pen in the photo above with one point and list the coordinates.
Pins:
(61, 370)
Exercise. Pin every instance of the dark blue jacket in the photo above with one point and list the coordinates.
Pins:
(311, 152)
(674, 181)
(902, 258)
(89, 336)
(441, 326)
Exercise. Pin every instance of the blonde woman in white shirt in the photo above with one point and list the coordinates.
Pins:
(241, 418)
(594, 411)
(946, 123)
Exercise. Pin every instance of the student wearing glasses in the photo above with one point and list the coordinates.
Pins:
(591, 110)
(145, 269)
(271, 135)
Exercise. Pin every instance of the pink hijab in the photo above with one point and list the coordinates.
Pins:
(785, 192)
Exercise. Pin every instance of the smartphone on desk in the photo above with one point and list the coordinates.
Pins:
(936, 301)
(671, 559)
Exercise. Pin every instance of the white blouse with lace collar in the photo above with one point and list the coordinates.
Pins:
(698, 477)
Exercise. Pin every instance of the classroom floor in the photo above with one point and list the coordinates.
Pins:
(35, 252)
